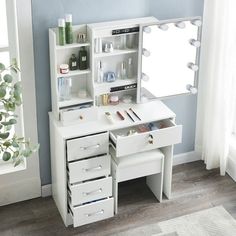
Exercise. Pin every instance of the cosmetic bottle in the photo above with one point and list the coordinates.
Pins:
(100, 73)
(69, 32)
(67, 88)
(83, 59)
(61, 32)
(123, 71)
(130, 73)
(73, 62)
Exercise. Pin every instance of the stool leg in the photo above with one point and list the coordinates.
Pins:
(155, 183)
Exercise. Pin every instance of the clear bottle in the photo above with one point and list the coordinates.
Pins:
(69, 31)
(61, 32)
(100, 73)
(130, 69)
(67, 88)
(123, 71)
(83, 59)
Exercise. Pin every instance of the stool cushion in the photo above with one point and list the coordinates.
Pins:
(138, 158)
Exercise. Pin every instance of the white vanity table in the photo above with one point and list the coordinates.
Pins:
(89, 154)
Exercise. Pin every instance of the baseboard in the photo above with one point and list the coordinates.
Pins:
(186, 158)
(231, 168)
(47, 190)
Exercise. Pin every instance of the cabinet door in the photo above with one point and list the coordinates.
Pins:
(169, 53)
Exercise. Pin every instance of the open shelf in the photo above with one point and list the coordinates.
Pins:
(74, 101)
(115, 53)
(101, 88)
(73, 45)
(74, 73)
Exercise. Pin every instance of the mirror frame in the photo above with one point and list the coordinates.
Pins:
(197, 60)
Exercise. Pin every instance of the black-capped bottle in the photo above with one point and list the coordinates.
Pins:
(73, 62)
(83, 59)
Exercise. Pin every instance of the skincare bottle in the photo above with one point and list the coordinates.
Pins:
(83, 59)
(100, 73)
(69, 32)
(130, 73)
(61, 32)
(67, 88)
(123, 71)
(73, 62)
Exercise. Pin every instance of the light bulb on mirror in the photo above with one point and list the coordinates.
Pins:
(191, 89)
(145, 77)
(193, 66)
(147, 29)
(163, 27)
(195, 43)
(197, 23)
(180, 25)
(146, 53)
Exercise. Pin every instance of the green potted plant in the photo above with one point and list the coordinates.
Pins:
(12, 147)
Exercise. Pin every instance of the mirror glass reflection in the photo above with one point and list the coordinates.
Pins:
(167, 66)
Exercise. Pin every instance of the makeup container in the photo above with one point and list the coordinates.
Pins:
(64, 68)
(114, 100)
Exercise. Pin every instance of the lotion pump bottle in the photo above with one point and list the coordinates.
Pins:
(100, 73)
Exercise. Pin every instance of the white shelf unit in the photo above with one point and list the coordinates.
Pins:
(81, 79)
(86, 79)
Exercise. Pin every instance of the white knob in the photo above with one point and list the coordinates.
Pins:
(197, 23)
(180, 25)
(163, 27)
(191, 89)
(147, 30)
(146, 53)
(193, 66)
(145, 77)
(195, 43)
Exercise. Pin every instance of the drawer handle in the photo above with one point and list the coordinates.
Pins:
(95, 213)
(150, 139)
(93, 192)
(90, 147)
(94, 168)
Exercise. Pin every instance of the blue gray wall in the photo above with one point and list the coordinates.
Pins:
(45, 15)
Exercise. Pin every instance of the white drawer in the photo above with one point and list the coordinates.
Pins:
(140, 142)
(89, 169)
(83, 147)
(90, 191)
(93, 212)
(69, 117)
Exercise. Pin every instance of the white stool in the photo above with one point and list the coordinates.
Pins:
(150, 164)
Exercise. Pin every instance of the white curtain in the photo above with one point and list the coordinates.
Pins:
(217, 85)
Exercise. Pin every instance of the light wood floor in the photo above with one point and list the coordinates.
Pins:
(194, 189)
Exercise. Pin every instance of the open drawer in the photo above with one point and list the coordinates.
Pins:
(92, 212)
(166, 133)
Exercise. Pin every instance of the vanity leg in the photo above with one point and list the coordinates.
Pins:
(168, 153)
(115, 194)
(155, 183)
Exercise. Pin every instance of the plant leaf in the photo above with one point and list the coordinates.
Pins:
(2, 92)
(8, 78)
(4, 135)
(2, 67)
(12, 121)
(17, 162)
(6, 156)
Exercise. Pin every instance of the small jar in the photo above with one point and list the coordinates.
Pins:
(64, 68)
(114, 100)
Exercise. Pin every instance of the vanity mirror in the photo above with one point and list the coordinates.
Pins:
(169, 54)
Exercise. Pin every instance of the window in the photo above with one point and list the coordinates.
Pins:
(9, 47)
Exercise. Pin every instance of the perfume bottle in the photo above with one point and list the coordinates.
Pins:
(69, 32)
(130, 71)
(73, 62)
(64, 88)
(83, 59)
(123, 71)
(100, 73)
